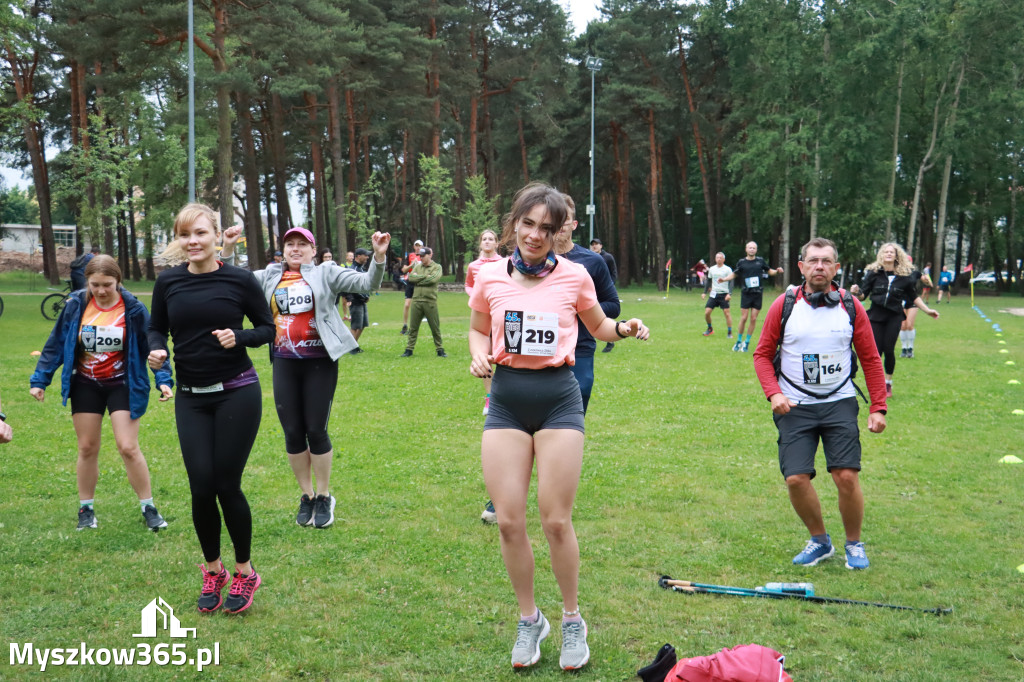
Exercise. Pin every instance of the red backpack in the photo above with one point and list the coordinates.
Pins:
(744, 663)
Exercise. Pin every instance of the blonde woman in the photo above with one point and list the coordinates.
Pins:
(891, 284)
(100, 338)
(202, 303)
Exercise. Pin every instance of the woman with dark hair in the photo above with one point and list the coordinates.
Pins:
(202, 303)
(891, 283)
(100, 339)
(523, 320)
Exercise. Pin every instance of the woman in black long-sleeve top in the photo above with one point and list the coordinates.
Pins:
(891, 283)
(218, 405)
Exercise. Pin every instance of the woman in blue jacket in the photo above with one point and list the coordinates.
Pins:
(310, 338)
(100, 339)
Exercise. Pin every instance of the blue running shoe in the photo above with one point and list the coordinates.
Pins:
(736, 347)
(856, 559)
(814, 552)
(745, 347)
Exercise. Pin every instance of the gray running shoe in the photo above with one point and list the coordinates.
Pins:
(575, 652)
(305, 515)
(153, 519)
(529, 635)
(323, 511)
(86, 518)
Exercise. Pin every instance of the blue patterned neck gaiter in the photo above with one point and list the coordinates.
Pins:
(542, 269)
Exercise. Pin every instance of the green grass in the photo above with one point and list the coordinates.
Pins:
(680, 477)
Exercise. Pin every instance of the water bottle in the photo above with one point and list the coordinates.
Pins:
(804, 589)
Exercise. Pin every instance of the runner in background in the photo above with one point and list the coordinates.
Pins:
(752, 272)
(718, 291)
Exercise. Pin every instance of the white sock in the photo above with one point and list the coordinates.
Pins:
(910, 338)
(903, 339)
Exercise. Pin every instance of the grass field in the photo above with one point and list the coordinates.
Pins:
(680, 477)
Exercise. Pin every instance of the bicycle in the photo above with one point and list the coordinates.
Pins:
(53, 304)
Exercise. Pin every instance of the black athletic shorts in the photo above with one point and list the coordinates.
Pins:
(532, 400)
(717, 302)
(751, 299)
(409, 289)
(833, 423)
(92, 397)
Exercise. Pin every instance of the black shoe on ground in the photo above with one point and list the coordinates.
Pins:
(608, 348)
(323, 511)
(305, 515)
(405, 329)
(153, 519)
(406, 354)
(441, 353)
(355, 351)
(910, 353)
(86, 518)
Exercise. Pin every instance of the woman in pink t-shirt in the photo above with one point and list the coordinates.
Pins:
(488, 254)
(523, 320)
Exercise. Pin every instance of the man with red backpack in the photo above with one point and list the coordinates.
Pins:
(806, 365)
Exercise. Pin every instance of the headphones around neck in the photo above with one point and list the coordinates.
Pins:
(827, 299)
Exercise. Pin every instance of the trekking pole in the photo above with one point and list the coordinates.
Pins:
(805, 594)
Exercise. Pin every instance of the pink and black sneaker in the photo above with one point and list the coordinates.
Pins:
(213, 585)
(243, 587)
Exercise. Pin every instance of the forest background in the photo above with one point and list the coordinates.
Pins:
(715, 122)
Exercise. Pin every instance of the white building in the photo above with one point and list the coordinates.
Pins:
(25, 238)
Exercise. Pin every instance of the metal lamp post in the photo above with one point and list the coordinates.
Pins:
(191, 107)
(594, 64)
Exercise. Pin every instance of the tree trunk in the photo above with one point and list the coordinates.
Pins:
(334, 112)
(316, 153)
(705, 181)
(784, 237)
(281, 198)
(895, 151)
(621, 174)
(940, 226)
(250, 174)
(224, 141)
(353, 150)
(926, 162)
(522, 146)
(655, 182)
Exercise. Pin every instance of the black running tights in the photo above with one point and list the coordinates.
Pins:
(303, 392)
(886, 332)
(216, 432)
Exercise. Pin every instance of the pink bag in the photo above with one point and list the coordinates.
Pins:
(744, 663)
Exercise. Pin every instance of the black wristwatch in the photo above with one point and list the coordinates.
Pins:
(617, 332)
(3, 417)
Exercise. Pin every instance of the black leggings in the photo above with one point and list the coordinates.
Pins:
(216, 432)
(886, 332)
(303, 391)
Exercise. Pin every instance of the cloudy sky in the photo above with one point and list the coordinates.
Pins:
(581, 12)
